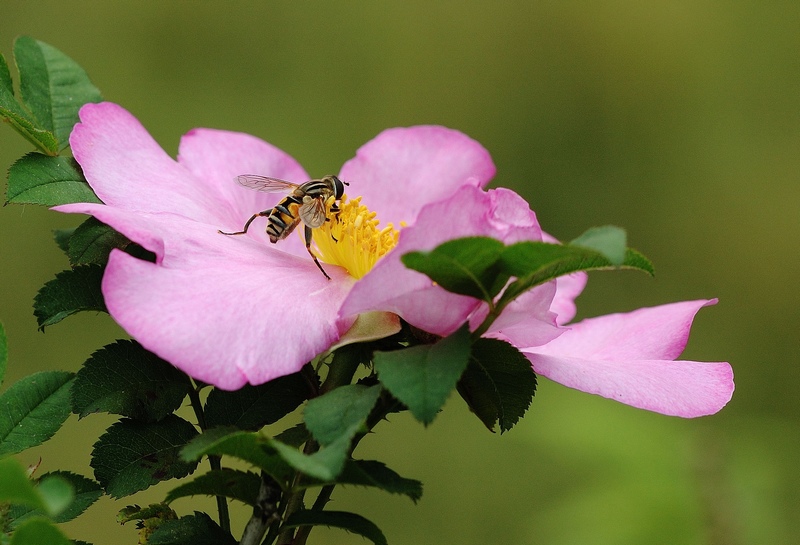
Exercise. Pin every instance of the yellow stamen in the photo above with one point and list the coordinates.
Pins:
(351, 238)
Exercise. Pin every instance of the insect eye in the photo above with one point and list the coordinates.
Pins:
(338, 186)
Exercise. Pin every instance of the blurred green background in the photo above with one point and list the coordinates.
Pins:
(677, 120)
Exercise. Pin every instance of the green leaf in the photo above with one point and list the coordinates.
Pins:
(334, 414)
(467, 266)
(499, 383)
(33, 409)
(40, 179)
(131, 455)
(422, 377)
(83, 493)
(326, 464)
(350, 522)
(254, 407)
(20, 120)
(39, 532)
(197, 529)
(71, 291)
(92, 241)
(608, 240)
(230, 483)
(534, 263)
(248, 446)
(52, 86)
(125, 379)
(17, 486)
(3, 353)
(62, 236)
(376, 474)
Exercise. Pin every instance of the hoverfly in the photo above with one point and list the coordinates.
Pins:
(305, 203)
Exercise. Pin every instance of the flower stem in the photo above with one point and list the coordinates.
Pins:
(214, 461)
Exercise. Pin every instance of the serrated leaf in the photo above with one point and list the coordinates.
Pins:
(33, 409)
(197, 529)
(49, 181)
(125, 379)
(422, 377)
(467, 266)
(334, 414)
(39, 532)
(92, 241)
(84, 493)
(499, 383)
(376, 474)
(52, 86)
(248, 446)
(3, 353)
(71, 291)
(61, 237)
(131, 455)
(349, 522)
(253, 407)
(230, 483)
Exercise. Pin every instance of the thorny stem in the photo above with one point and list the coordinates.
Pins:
(214, 461)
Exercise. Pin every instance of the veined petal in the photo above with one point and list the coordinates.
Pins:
(390, 286)
(225, 310)
(628, 357)
(128, 169)
(402, 169)
(217, 157)
(677, 388)
(654, 333)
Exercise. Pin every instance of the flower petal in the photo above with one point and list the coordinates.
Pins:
(528, 320)
(677, 388)
(391, 287)
(627, 357)
(128, 169)
(216, 157)
(225, 310)
(653, 333)
(403, 169)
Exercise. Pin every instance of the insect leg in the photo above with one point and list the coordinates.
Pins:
(308, 247)
(247, 225)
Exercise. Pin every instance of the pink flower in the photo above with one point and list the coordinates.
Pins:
(231, 310)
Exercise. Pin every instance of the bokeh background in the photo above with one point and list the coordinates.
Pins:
(677, 120)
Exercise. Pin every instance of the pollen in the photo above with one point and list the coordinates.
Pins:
(352, 238)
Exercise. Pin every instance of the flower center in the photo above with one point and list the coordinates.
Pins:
(352, 239)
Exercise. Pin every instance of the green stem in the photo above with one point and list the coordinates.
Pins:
(214, 461)
(340, 373)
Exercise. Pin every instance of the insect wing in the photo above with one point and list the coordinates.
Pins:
(265, 183)
(313, 213)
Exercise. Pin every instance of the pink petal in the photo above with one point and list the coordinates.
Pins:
(568, 288)
(648, 333)
(527, 321)
(403, 169)
(627, 357)
(216, 157)
(391, 287)
(677, 388)
(128, 169)
(224, 310)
